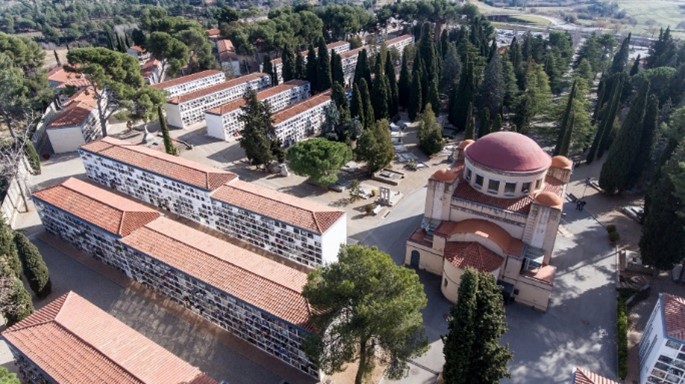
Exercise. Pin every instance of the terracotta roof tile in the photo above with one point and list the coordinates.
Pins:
(301, 213)
(350, 53)
(262, 95)
(64, 78)
(137, 48)
(485, 229)
(264, 283)
(73, 341)
(446, 175)
(75, 110)
(224, 45)
(185, 79)
(399, 38)
(172, 167)
(673, 308)
(301, 107)
(216, 88)
(474, 255)
(583, 376)
(212, 32)
(544, 273)
(95, 205)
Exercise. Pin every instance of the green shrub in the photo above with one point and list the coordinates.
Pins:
(35, 270)
(8, 378)
(8, 251)
(611, 228)
(20, 304)
(622, 338)
(614, 237)
(32, 157)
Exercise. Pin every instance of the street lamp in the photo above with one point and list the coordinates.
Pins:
(587, 182)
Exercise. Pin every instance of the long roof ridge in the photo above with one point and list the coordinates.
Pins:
(105, 202)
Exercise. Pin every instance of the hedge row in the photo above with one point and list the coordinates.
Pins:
(622, 338)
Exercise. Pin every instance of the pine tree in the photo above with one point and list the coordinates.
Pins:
(168, 143)
(404, 85)
(565, 119)
(369, 115)
(337, 74)
(357, 104)
(649, 129)
(430, 132)
(258, 136)
(312, 75)
(339, 98)
(621, 57)
(288, 68)
(375, 146)
(584, 70)
(268, 68)
(614, 177)
(511, 90)
(362, 70)
(491, 88)
(8, 250)
(433, 97)
(35, 269)
(323, 67)
(300, 68)
(414, 106)
(469, 128)
(393, 103)
(663, 51)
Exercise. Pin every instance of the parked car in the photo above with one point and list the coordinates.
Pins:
(341, 186)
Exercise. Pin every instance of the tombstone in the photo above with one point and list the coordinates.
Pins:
(384, 198)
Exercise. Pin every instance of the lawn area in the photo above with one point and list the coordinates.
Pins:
(659, 13)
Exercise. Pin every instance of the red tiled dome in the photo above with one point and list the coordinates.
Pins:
(508, 151)
(562, 162)
(549, 199)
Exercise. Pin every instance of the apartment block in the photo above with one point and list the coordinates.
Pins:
(662, 345)
(70, 340)
(168, 182)
(190, 108)
(337, 46)
(309, 233)
(191, 83)
(77, 123)
(223, 122)
(301, 120)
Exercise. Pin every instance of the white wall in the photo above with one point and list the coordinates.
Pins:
(173, 115)
(215, 126)
(65, 139)
(332, 239)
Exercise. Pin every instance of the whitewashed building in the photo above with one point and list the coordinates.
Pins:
(662, 345)
(228, 58)
(349, 63)
(306, 232)
(399, 42)
(77, 123)
(190, 108)
(139, 53)
(223, 122)
(191, 83)
(337, 46)
(301, 120)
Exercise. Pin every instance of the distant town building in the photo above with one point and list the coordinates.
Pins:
(76, 123)
(662, 345)
(61, 80)
(277, 63)
(151, 71)
(583, 376)
(213, 33)
(251, 296)
(70, 340)
(296, 229)
(399, 42)
(139, 53)
(187, 109)
(223, 121)
(301, 120)
(496, 210)
(186, 84)
(228, 58)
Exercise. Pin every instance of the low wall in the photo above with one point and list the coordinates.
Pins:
(14, 203)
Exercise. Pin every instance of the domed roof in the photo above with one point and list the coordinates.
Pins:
(549, 199)
(508, 151)
(562, 162)
(465, 143)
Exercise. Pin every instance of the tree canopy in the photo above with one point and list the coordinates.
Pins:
(369, 308)
(258, 137)
(319, 158)
(375, 146)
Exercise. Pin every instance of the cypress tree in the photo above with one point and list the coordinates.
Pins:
(469, 129)
(35, 269)
(381, 95)
(485, 123)
(323, 81)
(497, 125)
(357, 104)
(369, 115)
(565, 119)
(430, 132)
(8, 250)
(649, 129)
(614, 177)
(393, 103)
(375, 146)
(461, 335)
(462, 97)
(168, 143)
(312, 70)
(433, 97)
(414, 106)
(606, 124)
(268, 68)
(339, 98)
(636, 67)
(337, 74)
(288, 69)
(362, 70)
(566, 141)
(491, 89)
(258, 137)
(20, 306)
(621, 57)
(404, 85)
(300, 68)
(57, 59)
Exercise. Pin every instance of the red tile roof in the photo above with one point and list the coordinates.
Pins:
(673, 308)
(224, 45)
(350, 53)
(213, 32)
(75, 110)
(544, 273)
(216, 88)
(261, 282)
(446, 175)
(262, 95)
(474, 255)
(330, 46)
(160, 163)
(137, 48)
(399, 38)
(301, 107)
(64, 78)
(583, 376)
(301, 213)
(508, 151)
(185, 79)
(73, 341)
(485, 229)
(97, 206)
